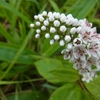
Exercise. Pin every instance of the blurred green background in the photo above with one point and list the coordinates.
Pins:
(21, 53)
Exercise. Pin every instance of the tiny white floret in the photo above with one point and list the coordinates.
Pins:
(47, 35)
(56, 15)
(46, 22)
(50, 13)
(52, 41)
(31, 25)
(77, 41)
(38, 23)
(69, 46)
(56, 23)
(63, 28)
(44, 13)
(87, 77)
(69, 16)
(52, 30)
(56, 37)
(73, 30)
(62, 43)
(41, 19)
(79, 30)
(38, 31)
(51, 18)
(43, 28)
(36, 17)
(37, 35)
(67, 38)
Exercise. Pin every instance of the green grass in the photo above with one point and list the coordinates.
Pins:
(20, 51)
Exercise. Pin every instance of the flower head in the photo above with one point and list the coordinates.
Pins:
(81, 41)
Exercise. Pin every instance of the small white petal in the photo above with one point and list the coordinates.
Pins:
(62, 43)
(69, 46)
(56, 37)
(46, 22)
(67, 38)
(56, 15)
(44, 13)
(47, 35)
(51, 18)
(73, 30)
(41, 19)
(36, 17)
(37, 35)
(52, 30)
(31, 25)
(56, 23)
(38, 31)
(52, 41)
(62, 15)
(63, 28)
(68, 21)
(49, 14)
(75, 22)
(79, 30)
(43, 28)
(63, 19)
(69, 16)
(38, 23)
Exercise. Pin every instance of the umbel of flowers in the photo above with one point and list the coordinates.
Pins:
(81, 41)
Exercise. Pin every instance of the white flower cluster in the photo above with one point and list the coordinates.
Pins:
(81, 40)
(54, 26)
(84, 50)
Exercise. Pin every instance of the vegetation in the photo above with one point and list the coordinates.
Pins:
(27, 65)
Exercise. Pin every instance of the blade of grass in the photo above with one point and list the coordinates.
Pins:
(22, 47)
(12, 9)
(15, 82)
(3, 96)
(14, 16)
(54, 5)
(82, 7)
(16, 94)
(8, 51)
(6, 34)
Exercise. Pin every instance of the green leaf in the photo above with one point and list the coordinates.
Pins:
(82, 7)
(7, 53)
(45, 67)
(28, 95)
(69, 92)
(94, 87)
(66, 74)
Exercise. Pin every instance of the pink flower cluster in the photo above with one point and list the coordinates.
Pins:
(81, 41)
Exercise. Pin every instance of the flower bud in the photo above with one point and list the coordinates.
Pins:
(52, 30)
(63, 28)
(62, 43)
(47, 35)
(31, 25)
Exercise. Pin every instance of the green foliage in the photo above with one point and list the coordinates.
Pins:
(96, 90)
(66, 74)
(81, 8)
(70, 92)
(33, 66)
(45, 67)
(27, 95)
